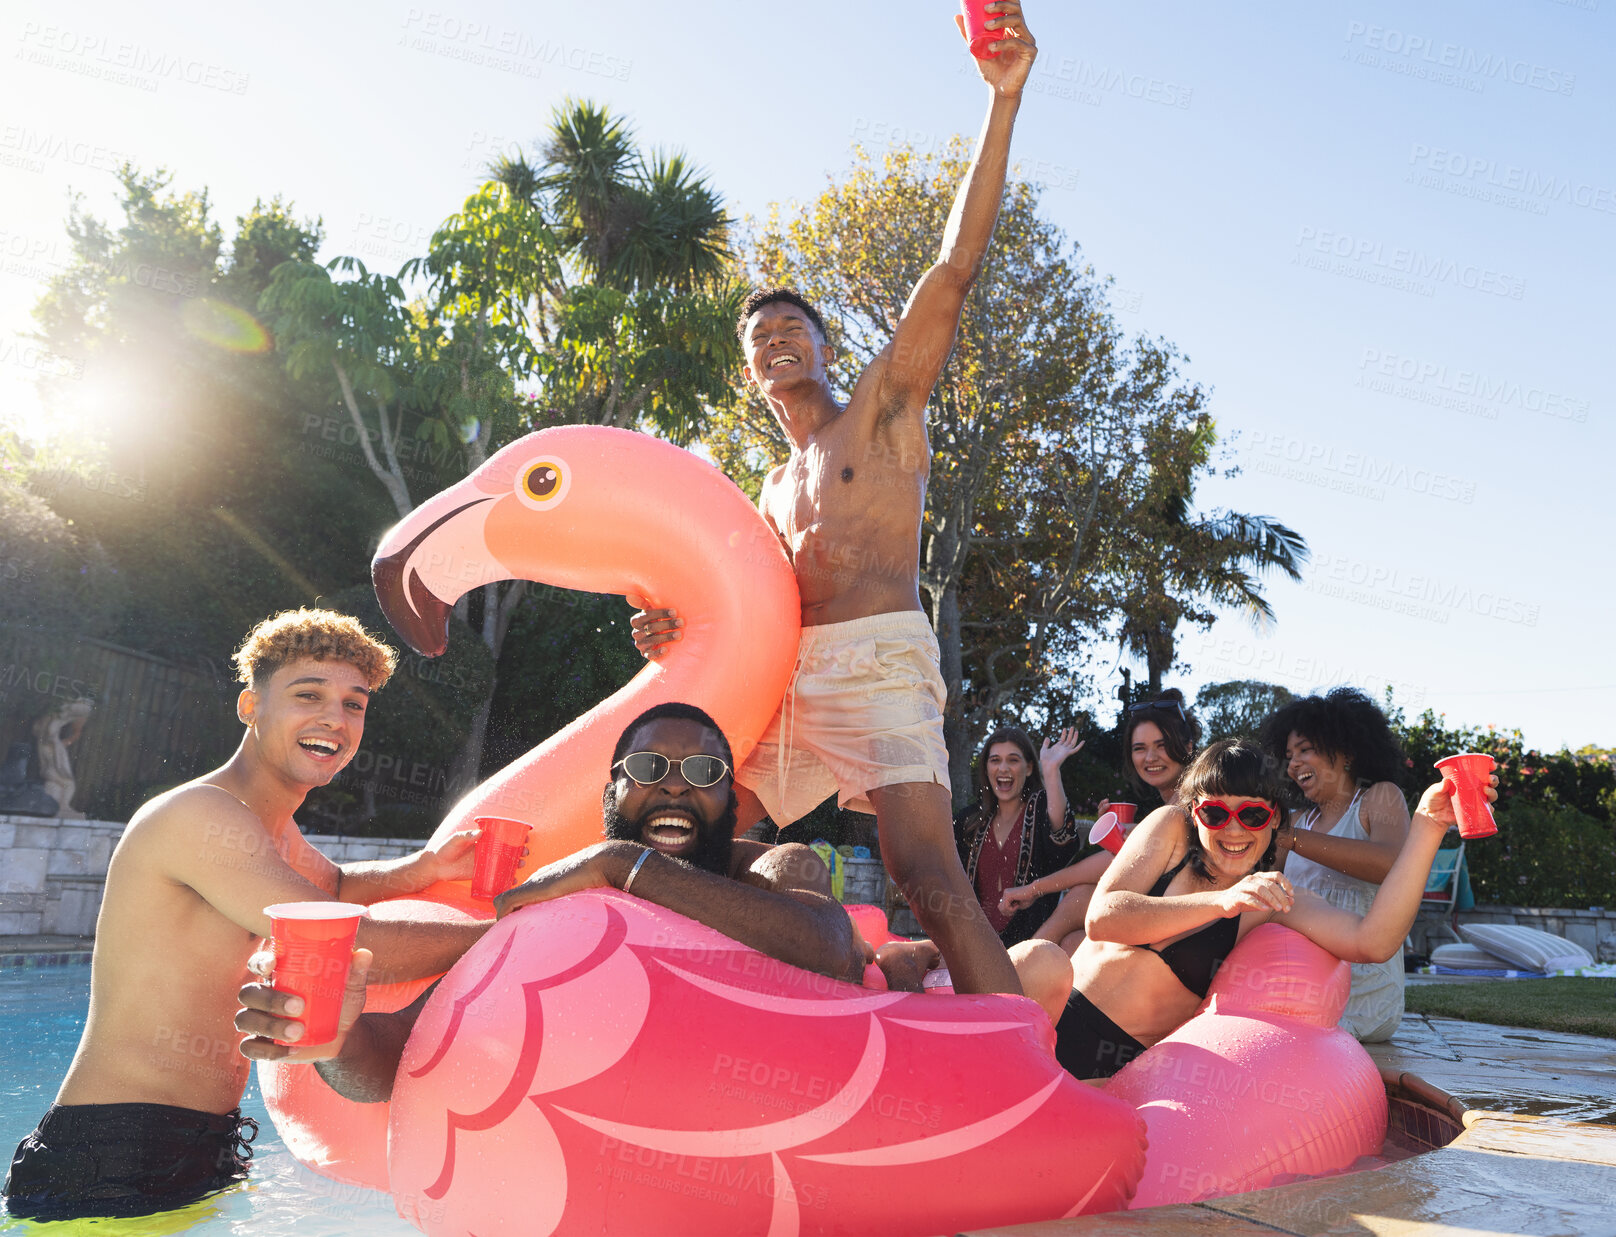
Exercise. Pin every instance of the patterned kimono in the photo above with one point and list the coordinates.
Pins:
(1044, 849)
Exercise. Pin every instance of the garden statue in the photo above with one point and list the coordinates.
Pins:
(54, 732)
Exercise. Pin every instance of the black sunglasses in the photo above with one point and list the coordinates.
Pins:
(1144, 705)
(649, 768)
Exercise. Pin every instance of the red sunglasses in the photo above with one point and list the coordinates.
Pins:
(1252, 814)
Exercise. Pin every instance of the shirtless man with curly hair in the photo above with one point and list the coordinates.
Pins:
(148, 1117)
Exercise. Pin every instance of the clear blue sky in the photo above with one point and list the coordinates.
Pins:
(1383, 233)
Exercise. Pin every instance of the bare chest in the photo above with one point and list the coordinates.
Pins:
(836, 483)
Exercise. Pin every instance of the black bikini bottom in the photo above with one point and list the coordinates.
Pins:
(1090, 1045)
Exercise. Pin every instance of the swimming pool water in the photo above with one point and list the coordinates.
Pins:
(41, 1014)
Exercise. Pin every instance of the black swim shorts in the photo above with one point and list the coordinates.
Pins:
(125, 1160)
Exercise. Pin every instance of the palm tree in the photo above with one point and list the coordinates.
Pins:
(1200, 563)
(630, 220)
(1185, 566)
(630, 322)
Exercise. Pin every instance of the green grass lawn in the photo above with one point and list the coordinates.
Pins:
(1565, 1003)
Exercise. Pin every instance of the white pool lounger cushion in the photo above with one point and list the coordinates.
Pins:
(1527, 948)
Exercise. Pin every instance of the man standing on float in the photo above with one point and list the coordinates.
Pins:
(863, 715)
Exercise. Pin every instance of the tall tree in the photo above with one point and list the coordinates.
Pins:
(587, 287)
(1181, 567)
(174, 450)
(1238, 708)
(1045, 423)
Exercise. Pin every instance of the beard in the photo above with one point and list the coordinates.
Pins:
(714, 842)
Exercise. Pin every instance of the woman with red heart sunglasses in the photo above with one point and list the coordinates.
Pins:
(1195, 877)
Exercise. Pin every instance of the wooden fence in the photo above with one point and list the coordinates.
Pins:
(156, 723)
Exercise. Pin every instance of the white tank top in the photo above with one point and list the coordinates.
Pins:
(1376, 1005)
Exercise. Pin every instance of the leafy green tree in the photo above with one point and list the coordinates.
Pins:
(1525, 776)
(174, 451)
(637, 325)
(1238, 709)
(586, 288)
(1180, 567)
(52, 577)
(1046, 426)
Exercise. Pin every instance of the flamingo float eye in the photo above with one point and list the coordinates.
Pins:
(544, 484)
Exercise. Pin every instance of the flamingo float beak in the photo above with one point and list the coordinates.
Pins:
(418, 614)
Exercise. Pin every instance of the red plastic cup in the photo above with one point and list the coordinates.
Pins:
(1466, 776)
(976, 29)
(1125, 812)
(313, 949)
(1107, 831)
(499, 850)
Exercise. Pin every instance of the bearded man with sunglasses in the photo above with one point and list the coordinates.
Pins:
(669, 815)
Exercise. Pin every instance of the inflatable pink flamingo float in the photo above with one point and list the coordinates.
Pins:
(598, 1064)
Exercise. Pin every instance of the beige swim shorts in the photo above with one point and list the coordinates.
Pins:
(864, 709)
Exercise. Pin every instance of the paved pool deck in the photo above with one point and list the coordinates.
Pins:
(1537, 1157)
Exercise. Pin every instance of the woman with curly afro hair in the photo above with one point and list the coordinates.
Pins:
(1341, 756)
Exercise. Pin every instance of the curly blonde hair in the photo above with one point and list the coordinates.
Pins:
(323, 635)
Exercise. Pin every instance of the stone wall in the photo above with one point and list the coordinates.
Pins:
(52, 872)
(1592, 929)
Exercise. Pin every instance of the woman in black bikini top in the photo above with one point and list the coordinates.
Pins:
(1188, 885)
(1195, 959)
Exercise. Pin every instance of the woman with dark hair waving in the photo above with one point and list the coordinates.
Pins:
(1195, 878)
(1020, 828)
(1158, 739)
(1339, 751)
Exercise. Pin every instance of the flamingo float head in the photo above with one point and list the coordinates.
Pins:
(605, 511)
(578, 507)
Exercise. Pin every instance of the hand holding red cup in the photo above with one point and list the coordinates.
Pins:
(313, 944)
(1465, 777)
(499, 850)
(1108, 832)
(975, 15)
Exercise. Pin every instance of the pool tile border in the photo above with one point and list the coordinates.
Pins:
(60, 958)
